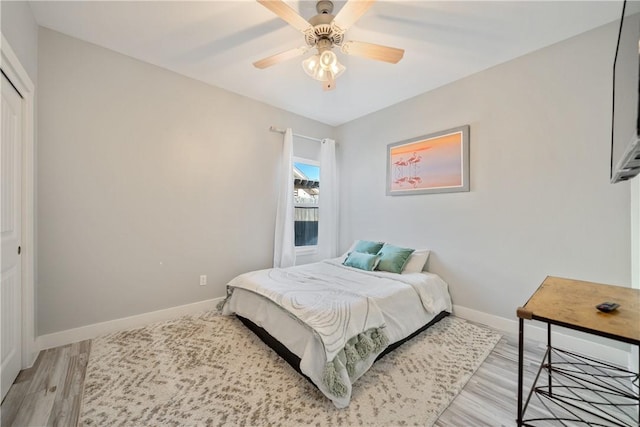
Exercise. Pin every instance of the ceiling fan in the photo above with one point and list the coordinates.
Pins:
(324, 32)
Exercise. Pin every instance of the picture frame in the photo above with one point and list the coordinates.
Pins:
(428, 164)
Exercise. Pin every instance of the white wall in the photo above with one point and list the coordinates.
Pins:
(21, 31)
(540, 201)
(147, 180)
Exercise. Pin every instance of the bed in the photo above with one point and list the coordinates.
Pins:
(331, 321)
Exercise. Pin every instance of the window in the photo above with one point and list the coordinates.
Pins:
(306, 188)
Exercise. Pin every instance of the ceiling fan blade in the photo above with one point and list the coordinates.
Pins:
(351, 12)
(373, 51)
(289, 15)
(280, 57)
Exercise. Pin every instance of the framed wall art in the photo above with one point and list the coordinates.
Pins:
(434, 163)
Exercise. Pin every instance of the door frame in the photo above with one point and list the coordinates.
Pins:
(14, 70)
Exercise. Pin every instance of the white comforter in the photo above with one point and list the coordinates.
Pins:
(399, 304)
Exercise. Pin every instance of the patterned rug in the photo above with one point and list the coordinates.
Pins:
(211, 370)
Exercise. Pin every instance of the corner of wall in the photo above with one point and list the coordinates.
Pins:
(634, 357)
(635, 232)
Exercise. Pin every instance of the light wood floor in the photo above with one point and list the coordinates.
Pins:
(49, 393)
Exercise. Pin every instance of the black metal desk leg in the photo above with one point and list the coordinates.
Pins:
(520, 365)
(549, 356)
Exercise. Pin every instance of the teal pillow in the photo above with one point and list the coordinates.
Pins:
(393, 258)
(362, 261)
(367, 247)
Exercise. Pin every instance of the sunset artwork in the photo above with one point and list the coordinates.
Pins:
(429, 164)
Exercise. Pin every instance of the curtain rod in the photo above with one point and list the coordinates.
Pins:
(275, 129)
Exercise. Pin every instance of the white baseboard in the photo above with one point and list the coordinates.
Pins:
(503, 325)
(532, 332)
(69, 336)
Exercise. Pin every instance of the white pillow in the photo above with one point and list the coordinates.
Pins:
(346, 254)
(416, 261)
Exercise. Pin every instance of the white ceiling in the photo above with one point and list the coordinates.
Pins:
(217, 41)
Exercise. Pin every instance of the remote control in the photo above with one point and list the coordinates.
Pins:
(606, 307)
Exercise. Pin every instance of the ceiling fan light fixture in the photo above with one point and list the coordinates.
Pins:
(328, 59)
(321, 66)
(311, 65)
(322, 75)
(324, 32)
(337, 69)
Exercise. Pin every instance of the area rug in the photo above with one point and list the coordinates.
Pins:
(211, 370)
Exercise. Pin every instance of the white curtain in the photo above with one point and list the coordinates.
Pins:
(328, 210)
(284, 251)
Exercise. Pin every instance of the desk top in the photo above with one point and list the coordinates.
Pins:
(572, 303)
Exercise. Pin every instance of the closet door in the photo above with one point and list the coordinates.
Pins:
(10, 232)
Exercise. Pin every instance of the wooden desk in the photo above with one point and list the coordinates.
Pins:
(571, 304)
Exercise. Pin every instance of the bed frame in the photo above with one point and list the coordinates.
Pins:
(294, 360)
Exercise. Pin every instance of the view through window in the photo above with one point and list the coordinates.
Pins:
(306, 187)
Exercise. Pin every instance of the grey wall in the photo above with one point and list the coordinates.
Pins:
(147, 180)
(21, 31)
(540, 201)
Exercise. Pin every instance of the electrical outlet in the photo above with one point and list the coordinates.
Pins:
(203, 280)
